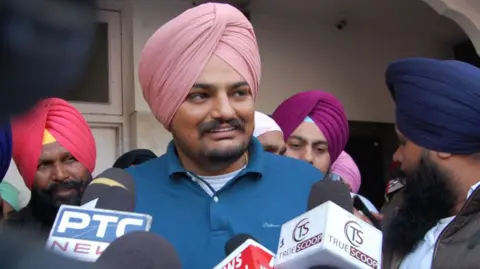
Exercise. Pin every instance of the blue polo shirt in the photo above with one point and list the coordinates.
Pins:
(270, 191)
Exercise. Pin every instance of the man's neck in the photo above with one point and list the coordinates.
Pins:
(466, 179)
(462, 197)
(211, 169)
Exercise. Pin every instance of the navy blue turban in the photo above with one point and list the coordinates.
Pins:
(437, 103)
(5, 149)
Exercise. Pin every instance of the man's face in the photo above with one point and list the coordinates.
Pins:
(60, 178)
(273, 142)
(308, 143)
(408, 154)
(215, 122)
(429, 195)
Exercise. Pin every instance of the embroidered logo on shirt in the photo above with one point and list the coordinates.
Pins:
(270, 225)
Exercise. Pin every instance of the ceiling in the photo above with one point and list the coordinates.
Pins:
(411, 16)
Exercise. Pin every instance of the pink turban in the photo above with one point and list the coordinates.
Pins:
(347, 169)
(177, 52)
(325, 111)
(51, 120)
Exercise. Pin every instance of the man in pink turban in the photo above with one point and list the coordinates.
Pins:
(54, 151)
(347, 169)
(314, 127)
(200, 74)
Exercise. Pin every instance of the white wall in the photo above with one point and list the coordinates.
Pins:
(299, 56)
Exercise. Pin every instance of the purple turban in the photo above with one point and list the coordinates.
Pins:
(324, 109)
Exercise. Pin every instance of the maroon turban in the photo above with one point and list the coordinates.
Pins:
(324, 109)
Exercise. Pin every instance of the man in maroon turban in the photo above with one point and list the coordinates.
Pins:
(314, 127)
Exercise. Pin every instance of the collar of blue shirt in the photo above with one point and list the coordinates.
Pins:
(254, 166)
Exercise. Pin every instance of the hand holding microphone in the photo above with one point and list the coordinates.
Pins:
(361, 211)
(329, 235)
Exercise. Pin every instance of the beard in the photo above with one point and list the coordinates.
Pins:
(226, 156)
(429, 196)
(45, 203)
(217, 158)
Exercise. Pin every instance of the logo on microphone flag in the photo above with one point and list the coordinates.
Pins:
(83, 233)
(328, 235)
(249, 255)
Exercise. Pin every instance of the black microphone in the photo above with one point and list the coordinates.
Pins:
(234, 242)
(22, 252)
(44, 49)
(114, 189)
(140, 250)
(330, 190)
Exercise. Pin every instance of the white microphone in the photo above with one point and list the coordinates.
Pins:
(329, 235)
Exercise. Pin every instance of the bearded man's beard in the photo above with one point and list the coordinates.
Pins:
(45, 204)
(429, 196)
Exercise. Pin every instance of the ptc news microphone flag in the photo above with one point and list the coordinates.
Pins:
(249, 255)
(83, 233)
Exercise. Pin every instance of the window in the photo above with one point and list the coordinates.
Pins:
(99, 89)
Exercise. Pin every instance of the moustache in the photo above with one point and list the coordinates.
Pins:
(65, 185)
(212, 125)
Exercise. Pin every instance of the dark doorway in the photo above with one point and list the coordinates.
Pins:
(372, 145)
(368, 154)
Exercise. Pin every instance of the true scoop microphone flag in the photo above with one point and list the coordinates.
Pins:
(249, 255)
(329, 235)
(83, 233)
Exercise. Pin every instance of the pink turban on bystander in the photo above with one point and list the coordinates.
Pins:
(177, 52)
(348, 170)
(51, 120)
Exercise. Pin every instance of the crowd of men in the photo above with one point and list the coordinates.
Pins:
(230, 169)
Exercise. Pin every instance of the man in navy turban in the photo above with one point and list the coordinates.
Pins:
(438, 126)
(5, 149)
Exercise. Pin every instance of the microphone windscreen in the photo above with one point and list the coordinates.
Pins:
(19, 251)
(329, 190)
(110, 178)
(37, 58)
(117, 199)
(140, 250)
(234, 242)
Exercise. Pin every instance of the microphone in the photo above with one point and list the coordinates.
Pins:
(84, 232)
(329, 235)
(236, 241)
(243, 251)
(140, 250)
(44, 49)
(22, 252)
(111, 180)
